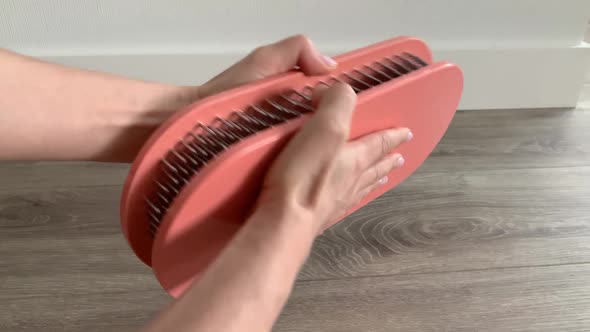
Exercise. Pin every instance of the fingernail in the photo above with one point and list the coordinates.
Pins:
(383, 180)
(410, 136)
(400, 161)
(329, 61)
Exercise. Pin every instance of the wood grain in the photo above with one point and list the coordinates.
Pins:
(552, 298)
(18, 177)
(508, 139)
(103, 310)
(491, 234)
(449, 222)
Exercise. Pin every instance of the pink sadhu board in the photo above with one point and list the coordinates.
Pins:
(193, 183)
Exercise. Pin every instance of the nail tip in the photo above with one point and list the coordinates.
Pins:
(400, 161)
(329, 61)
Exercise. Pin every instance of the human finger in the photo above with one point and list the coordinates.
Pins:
(371, 148)
(311, 149)
(269, 60)
(360, 195)
(380, 170)
(334, 109)
(285, 54)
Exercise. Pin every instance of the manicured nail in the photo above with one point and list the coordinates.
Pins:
(383, 180)
(329, 61)
(410, 136)
(400, 161)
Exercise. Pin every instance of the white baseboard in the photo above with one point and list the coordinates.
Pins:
(494, 78)
(521, 78)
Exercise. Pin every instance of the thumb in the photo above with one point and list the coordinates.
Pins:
(322, 135)
(333, 115)
(269, 60)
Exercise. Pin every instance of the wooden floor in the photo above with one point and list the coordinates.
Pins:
(492, 234)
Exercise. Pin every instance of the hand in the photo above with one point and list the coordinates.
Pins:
(320, 175)
(270, 60)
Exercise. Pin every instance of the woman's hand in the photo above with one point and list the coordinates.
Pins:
(320, 175)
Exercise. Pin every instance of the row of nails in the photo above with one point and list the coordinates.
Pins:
(224, 138)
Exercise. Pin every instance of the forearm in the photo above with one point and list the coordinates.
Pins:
(51, 112)
(247, 287)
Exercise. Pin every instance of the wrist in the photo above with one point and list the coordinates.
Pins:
(284, 217)
(130, 121)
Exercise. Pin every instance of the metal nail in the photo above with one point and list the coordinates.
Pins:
(167, 164)
(152, 206)
(416, 59)
(267, 114)
(163, 198)
(296, 103)
(380, 72)
(399, 65)
(302, 95)
(283, 108)
(388, 67)
(369, 76)
(408, 63)
(368, 86)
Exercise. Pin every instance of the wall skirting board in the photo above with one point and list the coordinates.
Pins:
(495, 78)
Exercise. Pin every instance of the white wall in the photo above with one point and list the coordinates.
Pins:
(521, 53)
